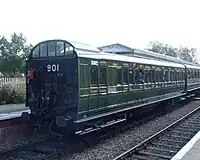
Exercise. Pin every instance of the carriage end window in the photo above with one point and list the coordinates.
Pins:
(53, 48)
(43, 50)
(60, 49)
(36, 52)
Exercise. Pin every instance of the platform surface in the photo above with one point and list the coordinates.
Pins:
(191, 151)
(7, 108)
(9, 111)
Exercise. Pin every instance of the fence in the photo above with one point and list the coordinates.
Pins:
(18, 83)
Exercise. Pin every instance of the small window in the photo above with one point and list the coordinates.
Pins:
(167, 75)
(157, 76)
(131, 77)
(141, 76)
(36, 52)
(52, 48)
(94, 76)
(125, 76)
(103, 76)
(137, 76)
(60, 49)
(183, 75)
(43, 50)
(150, 76)
(146, 76)
(119, 76)
(162, 75)
(153, 76)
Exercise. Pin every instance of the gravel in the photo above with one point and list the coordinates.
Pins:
(114, 146)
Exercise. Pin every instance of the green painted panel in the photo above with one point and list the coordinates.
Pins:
(93, 102)
(84, 92)
(103, 101)
(83, 104)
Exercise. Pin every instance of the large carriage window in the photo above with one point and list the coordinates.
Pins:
(43, 50)
(94, 75)
(60, 49)
(52, 48)
(119, 76)
(36, 52)
(103, 76)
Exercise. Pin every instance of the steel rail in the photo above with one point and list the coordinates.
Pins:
(148, 140)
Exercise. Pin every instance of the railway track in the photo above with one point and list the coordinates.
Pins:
(167, 142)
(54, 150)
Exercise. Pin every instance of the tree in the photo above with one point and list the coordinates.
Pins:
(13, 54)
(184, 53)
(162, 48)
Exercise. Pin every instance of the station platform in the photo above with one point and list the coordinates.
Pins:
(191, 151)
(9, 111)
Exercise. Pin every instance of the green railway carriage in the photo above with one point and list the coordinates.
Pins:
(193, 77)
(74, 82)
(109, 82)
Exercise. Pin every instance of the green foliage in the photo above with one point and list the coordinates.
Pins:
(13, 54)
(184, 53)
(10, 95)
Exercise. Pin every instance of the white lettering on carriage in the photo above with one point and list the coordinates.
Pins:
(53, 68)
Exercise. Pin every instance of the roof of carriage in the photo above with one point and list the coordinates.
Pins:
(87, 51)
(75, 45)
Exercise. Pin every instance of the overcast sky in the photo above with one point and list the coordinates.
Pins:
(101, 22)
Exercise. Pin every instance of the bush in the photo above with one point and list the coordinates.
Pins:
(9, 94)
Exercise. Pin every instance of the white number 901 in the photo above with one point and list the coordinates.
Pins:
(53, 68)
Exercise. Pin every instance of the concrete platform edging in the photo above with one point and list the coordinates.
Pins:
(187, 147)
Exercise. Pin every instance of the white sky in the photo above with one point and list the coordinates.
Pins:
(102, 22)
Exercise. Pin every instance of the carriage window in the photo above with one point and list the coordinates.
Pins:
(153, 76)
(195, 73)
(162, 75)
(146, 77)
(60, 49)
(68, 50)
(179, 75)
(150, 76)
(36, 52)
(167, 76)
(137, 76)
(189, 74)
(43, 50)
(52, 48)
(103, 76)
(157, 76)
(125, 76)
(131, 77)
(119, 76)
(141, 76)
(94, 76)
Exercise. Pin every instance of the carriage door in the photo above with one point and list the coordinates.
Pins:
(103, 98)
(94, 85)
